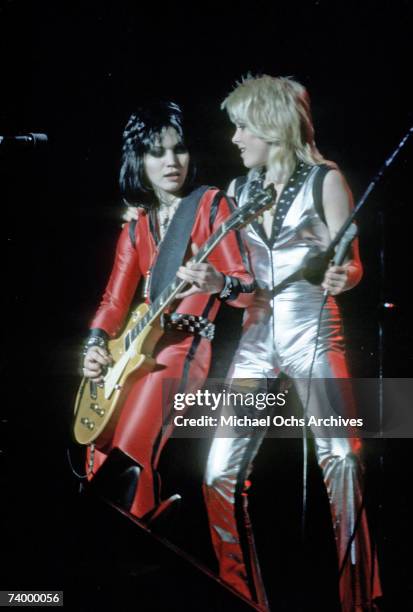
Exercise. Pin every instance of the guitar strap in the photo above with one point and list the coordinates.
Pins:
(318, 189)
(175, 243)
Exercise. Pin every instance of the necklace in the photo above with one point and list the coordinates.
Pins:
(258, 185)
(165, 213)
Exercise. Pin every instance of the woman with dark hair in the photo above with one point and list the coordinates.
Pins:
(141, 133)
(156, 175)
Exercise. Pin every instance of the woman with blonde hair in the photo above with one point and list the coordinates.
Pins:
(275, 136)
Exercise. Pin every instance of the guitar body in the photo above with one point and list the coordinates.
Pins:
(97, 408)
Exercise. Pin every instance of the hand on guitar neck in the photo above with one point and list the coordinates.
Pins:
(203, 277)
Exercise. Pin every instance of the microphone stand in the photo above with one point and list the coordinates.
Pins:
(313, 271)
(317, 264)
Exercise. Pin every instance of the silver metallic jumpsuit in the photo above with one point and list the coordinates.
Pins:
(279, 336)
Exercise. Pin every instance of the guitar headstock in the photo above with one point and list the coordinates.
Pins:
(261, 200)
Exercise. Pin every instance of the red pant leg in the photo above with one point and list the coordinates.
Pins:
(139, 430)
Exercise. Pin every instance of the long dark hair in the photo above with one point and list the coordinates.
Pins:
(141, 132)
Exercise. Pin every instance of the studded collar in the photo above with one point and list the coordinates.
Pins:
(288, 195)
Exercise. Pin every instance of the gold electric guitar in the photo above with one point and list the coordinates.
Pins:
(97, 407)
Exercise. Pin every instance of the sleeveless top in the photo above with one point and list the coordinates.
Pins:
(302, 229)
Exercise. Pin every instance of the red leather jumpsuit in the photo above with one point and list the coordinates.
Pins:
(179, 355)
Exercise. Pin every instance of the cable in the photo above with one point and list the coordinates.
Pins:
(91, 462)
(305, 449)
(304, 427)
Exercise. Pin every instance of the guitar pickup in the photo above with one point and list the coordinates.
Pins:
(96, 408)
(88, 423)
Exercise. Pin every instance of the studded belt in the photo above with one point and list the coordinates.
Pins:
(190, 324)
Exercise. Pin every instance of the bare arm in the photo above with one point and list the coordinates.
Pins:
(337, 204)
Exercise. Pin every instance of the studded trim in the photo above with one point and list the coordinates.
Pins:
(190, 324)
(288, 195)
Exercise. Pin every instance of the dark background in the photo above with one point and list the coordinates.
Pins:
(75, 71)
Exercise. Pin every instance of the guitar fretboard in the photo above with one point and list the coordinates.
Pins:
(238, 218)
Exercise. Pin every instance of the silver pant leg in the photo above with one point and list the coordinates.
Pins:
(343, 473)
(341, 463)
(228, 467)
(294, 330)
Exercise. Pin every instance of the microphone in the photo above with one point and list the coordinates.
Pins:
(317, 264)
(26, 141)
(343, 245)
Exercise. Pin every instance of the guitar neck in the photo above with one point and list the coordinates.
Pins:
(169, 293)
(238, 218)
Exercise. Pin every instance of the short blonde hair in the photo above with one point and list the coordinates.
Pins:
(276, 109)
